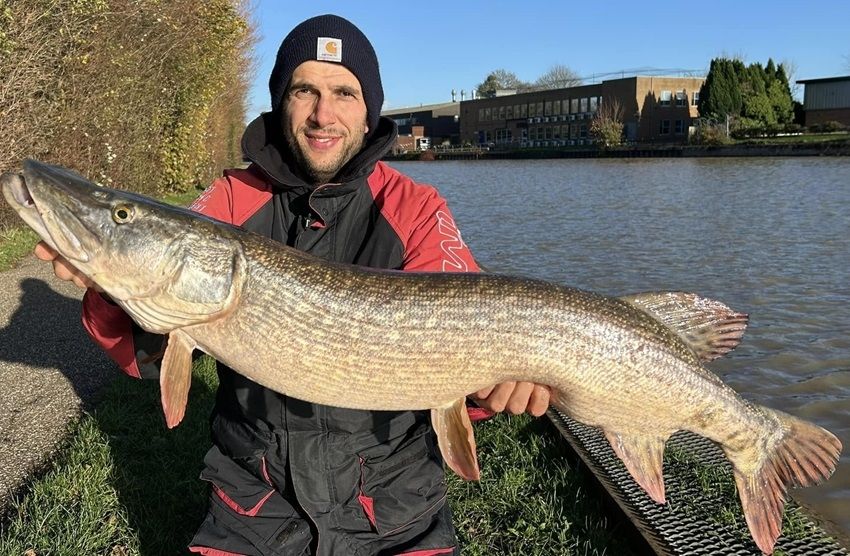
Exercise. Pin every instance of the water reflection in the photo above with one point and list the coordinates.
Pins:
(768, 236)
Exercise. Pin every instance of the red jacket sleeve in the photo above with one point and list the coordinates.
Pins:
(109, 326)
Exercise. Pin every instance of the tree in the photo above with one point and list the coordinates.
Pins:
(558, 76)
(779, 93)
(607, 125)
(720, 94)
(499, 79)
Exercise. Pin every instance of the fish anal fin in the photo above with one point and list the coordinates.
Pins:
(805, 455)
(643, 457)
(708, 326)
(456, 439)
(175, 377)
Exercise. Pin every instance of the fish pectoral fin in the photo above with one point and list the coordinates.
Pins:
(709, 327)
(456, 439)
(643, 457)
(175, 376)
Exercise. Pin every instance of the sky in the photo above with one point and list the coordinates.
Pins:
(426, 49)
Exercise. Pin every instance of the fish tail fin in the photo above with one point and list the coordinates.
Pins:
(804, 455)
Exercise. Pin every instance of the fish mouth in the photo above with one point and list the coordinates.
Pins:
(47, 209)
(18, 197)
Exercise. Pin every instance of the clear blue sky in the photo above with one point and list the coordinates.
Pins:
(426, 49)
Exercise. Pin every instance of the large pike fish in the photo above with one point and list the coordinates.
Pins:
(386, 340)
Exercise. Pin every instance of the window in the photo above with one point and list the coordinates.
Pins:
(565, 106)
(480, 114)
(695, 98)
(593, 105)
(679, 127)
(556, 108)
(574, 106)
(556, 132)
(665, 98)
(501, 112)
(681, 98)
(582, 131)
(583, 105)
(547, 111)
(516, 111)
(539, 108)
(665, 127)
(509, 112)
(487, 113)
(532, 110)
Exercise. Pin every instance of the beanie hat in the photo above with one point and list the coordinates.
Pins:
(329, 38)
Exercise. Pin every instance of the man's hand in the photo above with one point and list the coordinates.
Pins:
(62, 268)
(515, 397)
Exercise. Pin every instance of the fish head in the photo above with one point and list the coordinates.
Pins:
(164, 264)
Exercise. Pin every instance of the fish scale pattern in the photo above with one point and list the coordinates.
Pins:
(669, 529)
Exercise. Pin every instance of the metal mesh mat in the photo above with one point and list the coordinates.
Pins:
(697, 518)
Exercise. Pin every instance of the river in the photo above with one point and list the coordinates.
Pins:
(768, 236)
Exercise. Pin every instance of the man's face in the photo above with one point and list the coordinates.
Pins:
(324, 118)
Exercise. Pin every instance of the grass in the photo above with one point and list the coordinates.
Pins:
(124, 484)
(807, 138)
(533, 497)
(15, 244)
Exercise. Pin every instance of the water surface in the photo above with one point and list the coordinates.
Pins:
(768, 236)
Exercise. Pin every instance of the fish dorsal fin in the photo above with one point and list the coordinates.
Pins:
(175, 377)
(643, 456)
(456, 439)
(709, 327)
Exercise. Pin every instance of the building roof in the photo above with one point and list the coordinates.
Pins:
(825, 79)
(420, 108)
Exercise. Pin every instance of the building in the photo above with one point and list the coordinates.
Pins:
(436, 122)
(659, 109)
(416, 140)
(826, 100)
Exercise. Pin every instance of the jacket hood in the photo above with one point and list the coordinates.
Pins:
(264, 145)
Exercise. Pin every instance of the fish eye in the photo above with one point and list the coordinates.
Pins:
(122, 214)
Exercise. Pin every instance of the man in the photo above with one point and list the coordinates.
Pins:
(290, 477)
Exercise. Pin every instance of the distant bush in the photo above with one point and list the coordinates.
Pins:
(827, 127)
(710, 135)
(833, 126)
(148, 95)
(793, 128)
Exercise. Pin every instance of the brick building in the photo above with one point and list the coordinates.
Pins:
(654, 109)
(827, 100)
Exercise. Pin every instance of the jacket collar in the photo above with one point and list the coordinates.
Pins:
(264, 145)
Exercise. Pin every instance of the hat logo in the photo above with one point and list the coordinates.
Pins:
(329, 50)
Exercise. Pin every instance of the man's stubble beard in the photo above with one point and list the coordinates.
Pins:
(322, 173)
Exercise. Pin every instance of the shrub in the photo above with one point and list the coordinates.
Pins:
(710, 135)
(147, 95)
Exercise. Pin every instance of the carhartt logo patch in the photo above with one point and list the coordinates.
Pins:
(329, 50)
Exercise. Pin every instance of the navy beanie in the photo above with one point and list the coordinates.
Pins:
(329, 38)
